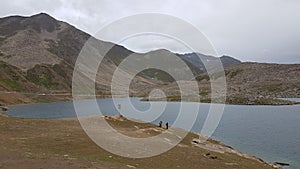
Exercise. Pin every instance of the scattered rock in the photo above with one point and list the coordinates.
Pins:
(231, 164)
(281, 164)
(130, 166)
(3, 108)
(210, 156)
(196, 141)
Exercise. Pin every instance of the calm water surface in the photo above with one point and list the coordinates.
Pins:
(269, 132)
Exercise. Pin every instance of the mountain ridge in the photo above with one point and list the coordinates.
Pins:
(38, 53)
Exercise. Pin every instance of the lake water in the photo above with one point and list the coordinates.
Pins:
(269, 132)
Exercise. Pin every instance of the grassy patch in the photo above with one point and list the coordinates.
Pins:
(157, 74)
(2, 65)
(173, 99)
(237, 99)
(202, 77)
(203, 93)
(39, 141)
(12, 84)
(205, 100)
(44, 80)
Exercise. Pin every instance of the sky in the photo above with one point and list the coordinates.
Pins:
(249, 30)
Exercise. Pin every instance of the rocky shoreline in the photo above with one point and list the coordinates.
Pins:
(222, 148)
(229, 101)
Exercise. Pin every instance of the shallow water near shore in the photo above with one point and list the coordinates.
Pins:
(268, 132)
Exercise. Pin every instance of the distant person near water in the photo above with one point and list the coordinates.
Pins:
(167, 125)
(160, 124)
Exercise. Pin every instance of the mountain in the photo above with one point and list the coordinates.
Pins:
(259, 83)
(199, 60)
(42, 49)
(38, 54)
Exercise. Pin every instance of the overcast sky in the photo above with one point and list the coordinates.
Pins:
(250, 30)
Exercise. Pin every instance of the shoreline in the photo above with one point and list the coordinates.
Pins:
(57, 98)
(232, 150)
(280, 102)
(21, 98)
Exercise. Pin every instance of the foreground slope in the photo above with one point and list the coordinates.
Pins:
(61, 143)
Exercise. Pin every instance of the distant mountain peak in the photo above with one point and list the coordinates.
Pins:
(159, 51)
(198, 59)
(42, 15)
(42, 21)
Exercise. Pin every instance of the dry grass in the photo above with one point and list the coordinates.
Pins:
(61, 143)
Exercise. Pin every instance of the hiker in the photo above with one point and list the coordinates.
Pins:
(167, 125)
(160, 124)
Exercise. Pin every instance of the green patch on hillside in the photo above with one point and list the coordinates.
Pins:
(9, 71)
(237, 99)
(100, 91)
(157, 74)
(177, 98)
(203, 93)
(2, 65)
(44, 79)
(12, 84)
(202, 77)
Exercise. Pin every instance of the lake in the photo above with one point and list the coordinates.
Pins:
(268, 132)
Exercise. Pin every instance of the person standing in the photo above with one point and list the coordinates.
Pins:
(167, 125)
(160, 124)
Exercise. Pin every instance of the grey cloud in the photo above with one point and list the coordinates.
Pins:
(256, 30)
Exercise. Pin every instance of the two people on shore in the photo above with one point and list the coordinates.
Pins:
(161, 123)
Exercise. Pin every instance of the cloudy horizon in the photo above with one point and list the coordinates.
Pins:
(259, 31)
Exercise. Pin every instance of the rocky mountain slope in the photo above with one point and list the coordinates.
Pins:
(252, 83)
(264, 80)
(38, 53)
(34, 44)
(199, 60)
(255, 83)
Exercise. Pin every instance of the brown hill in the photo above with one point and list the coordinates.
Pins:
(259, 83)
(38, 54)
